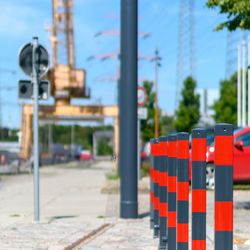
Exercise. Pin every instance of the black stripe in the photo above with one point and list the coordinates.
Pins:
(182, 170)
(224, 183)
(198, 175)
(199, 226)
(171, 238)
(223, 240)
(224, 129)
(182, 245)
(163, 230)
(199, 133)
(163, 194)
(172, 202)
(172, 137)
(182, 212)
(163, 138)
(182, 136)
(172, 162)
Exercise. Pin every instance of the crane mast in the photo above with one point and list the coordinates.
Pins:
(63, 33)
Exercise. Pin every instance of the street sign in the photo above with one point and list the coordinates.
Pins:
(34, 61)
(141, 96)
(41, 60)
(142, 113)
(25, 90)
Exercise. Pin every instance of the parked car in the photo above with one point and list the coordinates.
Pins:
(86, 155)
(241, 157)
(145, 152)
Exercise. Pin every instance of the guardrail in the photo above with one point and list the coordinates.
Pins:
(173, 158)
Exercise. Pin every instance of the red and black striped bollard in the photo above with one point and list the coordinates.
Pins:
(163, 193)
(151, 173)
(156, 188)
(199, 146)
(182, 190)
(172, 191)
(223, 187)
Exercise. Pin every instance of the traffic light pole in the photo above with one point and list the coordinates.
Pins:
(128, 109)
(35, 80)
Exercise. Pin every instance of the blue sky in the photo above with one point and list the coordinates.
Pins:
(21, 20)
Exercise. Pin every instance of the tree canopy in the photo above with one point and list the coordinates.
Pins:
(147, 126)
(225, 107)
(237, 11)
(188, 113)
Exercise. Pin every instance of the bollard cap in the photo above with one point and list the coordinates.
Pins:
(172, 137)
(199, 133)
(163, 138)
(182, 136)
(224, 129)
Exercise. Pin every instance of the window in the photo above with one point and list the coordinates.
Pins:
(245, 138)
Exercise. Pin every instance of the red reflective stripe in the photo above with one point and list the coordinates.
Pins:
(163, 209)
(183, 149)
(163, 179)
(223, 216)
(151, 197)
(157, 149)
(172, 148)
(152, 149)
(199, 201)
(182, 191)
(171, 184)
(151, 173)
(165, 148)
(157, 203)
(198, 244)
(182, 232)
(199, 148)
(224, 150)
(157, 175)
(171, 219)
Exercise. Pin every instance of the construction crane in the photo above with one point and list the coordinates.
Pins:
(67, 82)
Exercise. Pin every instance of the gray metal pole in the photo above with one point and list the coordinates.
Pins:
(128, 110)
(35, 81)
(139, 149)
(243, 83)
(248, 81)
(239, 83)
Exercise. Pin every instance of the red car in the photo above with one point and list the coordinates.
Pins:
(241, 158)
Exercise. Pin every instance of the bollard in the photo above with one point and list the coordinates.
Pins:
(172, 192)
(223, 187)
(163, 192)
(182, 190)
(156, 189)
(199, 146)
(151, 174)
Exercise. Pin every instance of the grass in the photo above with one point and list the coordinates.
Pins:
(113, 175)
(242, 186)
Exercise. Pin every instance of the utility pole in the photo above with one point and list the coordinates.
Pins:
(128, 109)
(239, 82)
(72, 151)
(157, 60)
(243, 84)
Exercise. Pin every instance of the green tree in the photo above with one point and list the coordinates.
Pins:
(167, 124)
(104, 148)
(237, 11)
(225, 107)
(188, 113)
(147, 126)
